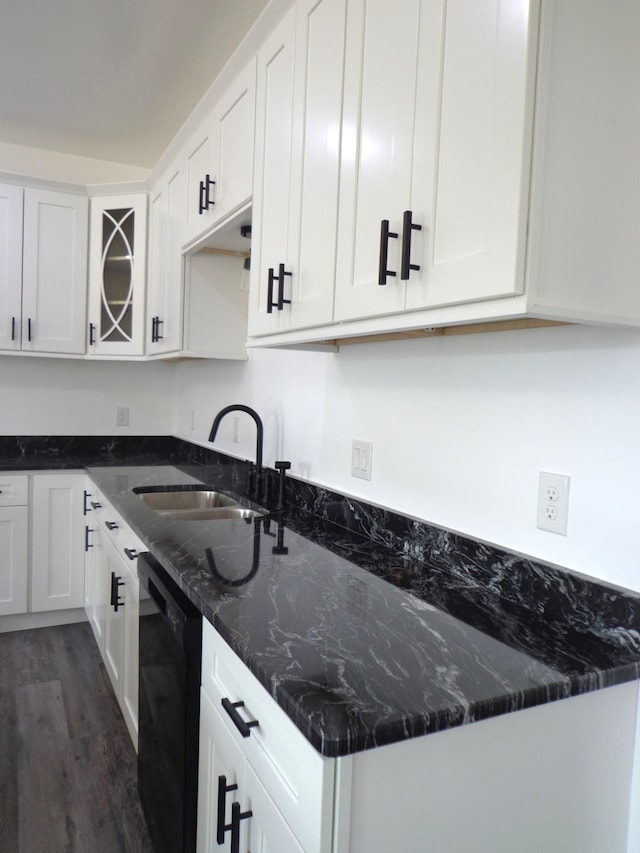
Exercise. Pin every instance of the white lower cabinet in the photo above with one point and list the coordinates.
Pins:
(557, 777)
(57, 565)
(112, 600)
(282, 780)
(14, 543)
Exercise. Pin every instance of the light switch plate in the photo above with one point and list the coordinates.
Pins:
(361, 456)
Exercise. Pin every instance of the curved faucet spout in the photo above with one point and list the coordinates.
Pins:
(239, 407)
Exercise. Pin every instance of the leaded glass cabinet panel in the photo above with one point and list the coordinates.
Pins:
(117, 275)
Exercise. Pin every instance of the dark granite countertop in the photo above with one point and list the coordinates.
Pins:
(364, 641)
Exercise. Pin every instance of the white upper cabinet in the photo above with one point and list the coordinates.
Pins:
(274, 147)
(117, 275)
(391, 92)
(165, 267)
(474, 139)
(298, 133)
(435, 143)
(43, 270)
(11, 201)
(233, 134)
(219, 158)
(472, 187)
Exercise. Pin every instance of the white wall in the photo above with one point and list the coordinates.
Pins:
(55, 166)
(461, 427)
(51, 396)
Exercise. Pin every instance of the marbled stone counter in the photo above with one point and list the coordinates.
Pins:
(365, 640)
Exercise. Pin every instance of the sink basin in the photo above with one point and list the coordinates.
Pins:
(214, 513)
(179, 500)
(190, 503)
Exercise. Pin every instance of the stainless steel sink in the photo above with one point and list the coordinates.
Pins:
(195, 504)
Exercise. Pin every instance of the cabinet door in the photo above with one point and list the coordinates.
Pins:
(386, 53)
(165, 287)
(14, 563)
(117, 275)
(200, 193)
(129, 696)
(274, 149)
(54, 275)
(114, 628)
(476, 178)
(234, 128)
(315, 166)
(219, 757)
(10, 266)
(57, 542)
(266, 830)
(96, 585)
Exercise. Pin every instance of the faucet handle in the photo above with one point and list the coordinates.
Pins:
(282, 468)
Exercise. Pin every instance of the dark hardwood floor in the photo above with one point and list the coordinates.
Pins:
(67, 765)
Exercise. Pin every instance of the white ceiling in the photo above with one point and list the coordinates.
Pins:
(111, 79)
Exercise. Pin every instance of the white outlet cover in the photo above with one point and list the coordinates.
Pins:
(553, 502)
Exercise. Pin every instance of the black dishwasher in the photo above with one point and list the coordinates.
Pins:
(169, 709)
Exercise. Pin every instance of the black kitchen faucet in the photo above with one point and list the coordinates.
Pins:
(239, 407)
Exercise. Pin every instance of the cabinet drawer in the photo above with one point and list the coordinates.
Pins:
(299, 780)
(14, 489)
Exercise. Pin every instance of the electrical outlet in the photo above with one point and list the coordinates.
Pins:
(361, 456)
(553, 502)
(193, 420)
(122, 415)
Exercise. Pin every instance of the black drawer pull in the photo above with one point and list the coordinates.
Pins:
(92, 334)
(87, 531)
(243, 727)
(96, 505)
(131, 553)
(85, 508)
(111, 525)
(222, 827)
(13, 328)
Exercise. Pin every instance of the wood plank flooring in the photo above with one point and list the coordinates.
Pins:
(67, 765)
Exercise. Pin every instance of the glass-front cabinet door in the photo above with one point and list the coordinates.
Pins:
(117, 274)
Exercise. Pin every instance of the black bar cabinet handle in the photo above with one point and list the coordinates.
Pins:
(96, 505)
(281, 277)
(85, 508)
(208, 183)
(385, 236)
(201, 207)
(13, 328)
(159, 323)
(223, 789)
(270, 282)
(92, 334)
(408, 226)
(111, 525)
(236, 817)
(243, 727)
(29, 329)
(153, 330)
(87, 531)
(116, 601)
(131, 553)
